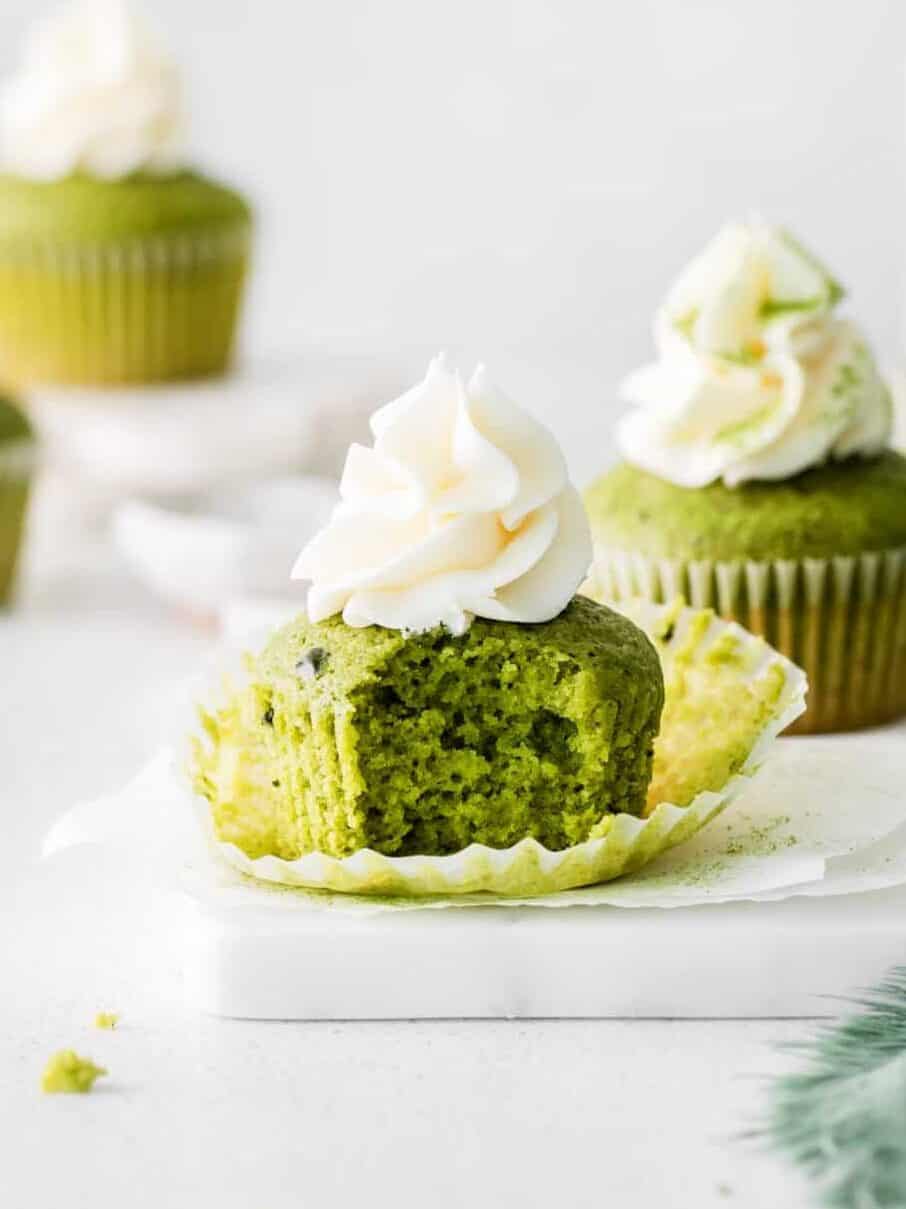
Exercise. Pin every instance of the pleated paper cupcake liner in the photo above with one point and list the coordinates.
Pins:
(141, 310)
(843, 620)
(728, 696)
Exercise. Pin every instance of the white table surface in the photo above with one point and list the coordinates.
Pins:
(204, 1111)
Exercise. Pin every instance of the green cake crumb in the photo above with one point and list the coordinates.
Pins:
(106, 1020)
(423, 744)
(66, 1072)
(728, 648)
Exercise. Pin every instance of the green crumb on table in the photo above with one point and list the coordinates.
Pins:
(107, 1020)
(66, 1072)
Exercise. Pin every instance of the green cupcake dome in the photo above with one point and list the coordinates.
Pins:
(367, 738)
(119, 281)
(83, 208)
(842, 508)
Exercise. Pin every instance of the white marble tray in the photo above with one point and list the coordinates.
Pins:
(734, 960)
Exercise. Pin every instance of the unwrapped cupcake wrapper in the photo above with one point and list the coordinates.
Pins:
(843, 620)
(140, 310)
(728, 696)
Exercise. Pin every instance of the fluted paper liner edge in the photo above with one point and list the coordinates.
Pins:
(841, 619)
(142, 309)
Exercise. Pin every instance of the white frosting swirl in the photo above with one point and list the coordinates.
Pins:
(96, 94)
(757, 378)
(461, 508)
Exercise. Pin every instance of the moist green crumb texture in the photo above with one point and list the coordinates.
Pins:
(367, 738)
(842, 508)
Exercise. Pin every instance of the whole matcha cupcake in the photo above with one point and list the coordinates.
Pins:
(446, 686)
(17, 457)
(118, 263)
(757, 477)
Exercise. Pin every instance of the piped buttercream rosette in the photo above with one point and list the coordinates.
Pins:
(461, 508)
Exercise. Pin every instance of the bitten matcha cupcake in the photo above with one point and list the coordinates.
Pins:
(446, 688)
(17, 456)
(757, 477)
(448, 715)
(429, 742)
(118, 262)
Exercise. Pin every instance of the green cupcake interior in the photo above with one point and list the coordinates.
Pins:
(367, 738)
(84, 209)
(841, 508)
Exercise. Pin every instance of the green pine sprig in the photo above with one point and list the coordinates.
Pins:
(843, 1117)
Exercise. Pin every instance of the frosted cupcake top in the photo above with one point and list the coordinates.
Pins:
(95, 93)
(757, 377)
(461, 508)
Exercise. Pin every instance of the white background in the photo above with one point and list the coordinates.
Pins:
(519, 180)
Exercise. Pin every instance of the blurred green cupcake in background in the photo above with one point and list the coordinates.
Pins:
(17, 457)
(758, 478)
(118, 263)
